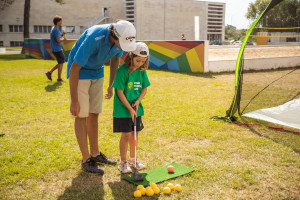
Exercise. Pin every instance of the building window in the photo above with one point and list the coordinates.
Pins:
(42, 29)
(15, 28)
(82, 29)
(1, 43)
(1, 28)
(16, 43)
(70, 29)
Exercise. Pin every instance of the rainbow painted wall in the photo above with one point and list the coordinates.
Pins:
(183, 56)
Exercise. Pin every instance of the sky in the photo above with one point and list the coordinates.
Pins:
(235, 12)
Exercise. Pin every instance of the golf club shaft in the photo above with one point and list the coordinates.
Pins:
(135, 139)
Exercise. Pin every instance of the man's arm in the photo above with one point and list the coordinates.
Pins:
(58, 39)
(114, 64)
(73, 81)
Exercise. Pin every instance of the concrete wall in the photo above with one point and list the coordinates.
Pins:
(154, 19)
(168, 19)
(254, 64)
(74, 12)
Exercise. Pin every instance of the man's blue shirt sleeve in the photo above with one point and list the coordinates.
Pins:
(119, 55)
(57, 33)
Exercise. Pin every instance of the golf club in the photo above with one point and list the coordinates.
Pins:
(135, 175)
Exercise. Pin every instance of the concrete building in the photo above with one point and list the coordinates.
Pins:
(154, 19)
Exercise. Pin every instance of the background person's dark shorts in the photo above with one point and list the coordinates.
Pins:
(60, 56)
(125, 125)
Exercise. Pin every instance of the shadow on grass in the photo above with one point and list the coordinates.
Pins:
(12, 57)
(84, 186)
(124, 190)
(53, 87)
(260, 131)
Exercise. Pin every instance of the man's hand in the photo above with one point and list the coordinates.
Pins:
(75, 109)
(110, 92)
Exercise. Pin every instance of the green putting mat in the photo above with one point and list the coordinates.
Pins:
(160, 174)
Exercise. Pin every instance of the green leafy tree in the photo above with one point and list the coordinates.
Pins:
(285, 14)
(232, 33)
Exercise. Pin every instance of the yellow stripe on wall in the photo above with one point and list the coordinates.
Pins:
(164, 51)
(194, 61)
(68, 45)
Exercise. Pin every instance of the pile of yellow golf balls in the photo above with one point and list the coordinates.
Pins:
(153, 189)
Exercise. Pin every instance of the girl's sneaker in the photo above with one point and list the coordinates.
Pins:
(124, 168)
(138, 164)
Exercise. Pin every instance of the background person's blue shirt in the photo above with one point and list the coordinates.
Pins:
(55, 46)
(91, 51)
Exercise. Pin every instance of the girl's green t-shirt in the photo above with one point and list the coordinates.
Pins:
(132, 85)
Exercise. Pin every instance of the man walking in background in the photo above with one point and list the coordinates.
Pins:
(55, 41)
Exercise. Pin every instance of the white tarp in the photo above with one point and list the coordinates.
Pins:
(287, 114)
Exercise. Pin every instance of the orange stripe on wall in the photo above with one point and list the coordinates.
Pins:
(200, 51)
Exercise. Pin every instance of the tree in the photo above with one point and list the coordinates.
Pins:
(286, 14)
(26, 20)
(231, 33)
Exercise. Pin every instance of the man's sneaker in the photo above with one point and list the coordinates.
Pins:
(124, 168)
(138, 164)
(90, 166)
(48, 74)
(101, 158)
(60, 80)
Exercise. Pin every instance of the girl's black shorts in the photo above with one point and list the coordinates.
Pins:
(125, 125)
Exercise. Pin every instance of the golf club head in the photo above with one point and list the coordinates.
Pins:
(136, 176)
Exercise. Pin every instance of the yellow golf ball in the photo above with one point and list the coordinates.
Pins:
(178, 187)
(153, 185)
(156, 190)
(171, 186)
(139, 187)
(149, 191)
(167, 190)
(137, 193)
(143, 191)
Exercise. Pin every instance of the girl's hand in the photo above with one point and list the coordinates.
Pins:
(136, 105)
(132, 114)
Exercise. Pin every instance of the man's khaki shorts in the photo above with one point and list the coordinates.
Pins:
(90, 96)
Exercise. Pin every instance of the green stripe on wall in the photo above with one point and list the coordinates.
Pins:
(159, 56)
(183, 63)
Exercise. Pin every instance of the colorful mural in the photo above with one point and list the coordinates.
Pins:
(40, 48)
(183, 56)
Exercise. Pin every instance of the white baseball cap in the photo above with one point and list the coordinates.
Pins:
(141, 47)
(126, 32)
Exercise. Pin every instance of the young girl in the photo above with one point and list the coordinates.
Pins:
(130, 85)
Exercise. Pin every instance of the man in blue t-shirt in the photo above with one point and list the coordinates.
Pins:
(55, 42)
(85, 71)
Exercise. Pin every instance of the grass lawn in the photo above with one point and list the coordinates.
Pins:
(40, 158)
